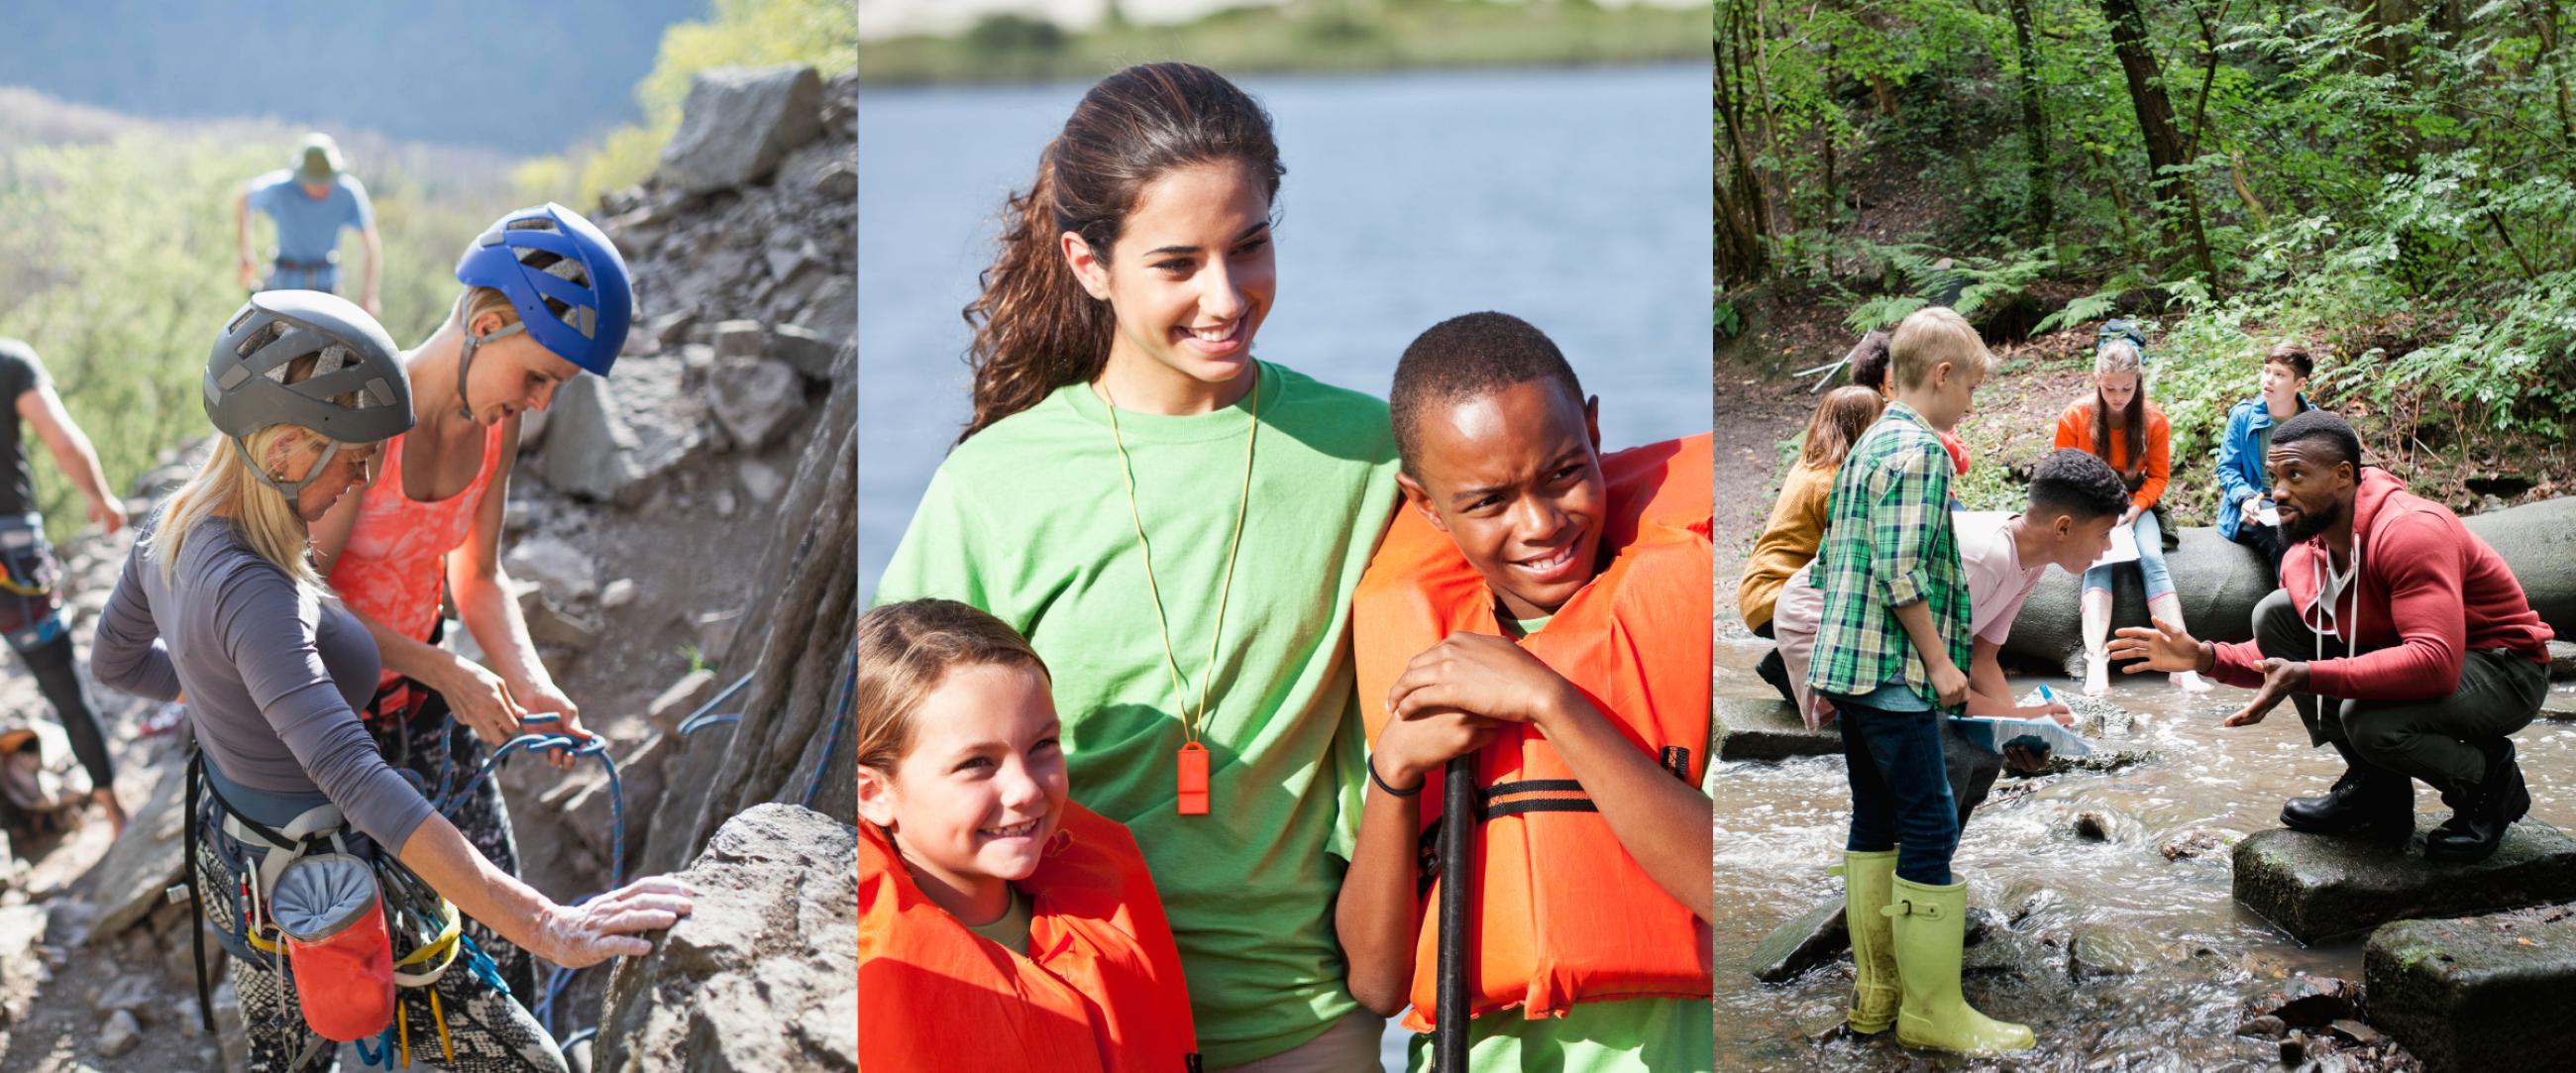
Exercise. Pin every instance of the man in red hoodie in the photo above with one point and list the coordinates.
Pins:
(2410, 624)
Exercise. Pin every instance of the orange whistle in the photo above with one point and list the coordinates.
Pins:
(1194, 779)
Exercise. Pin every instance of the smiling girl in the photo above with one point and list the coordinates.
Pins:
(546, 299)
(1177, 527)
(993, 912)
(2121, 427)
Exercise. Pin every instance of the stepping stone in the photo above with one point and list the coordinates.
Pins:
(1767, 729)
(2320, 888)
(2491, 992)
(1817, 936)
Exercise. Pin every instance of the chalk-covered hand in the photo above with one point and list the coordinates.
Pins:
(576, 936)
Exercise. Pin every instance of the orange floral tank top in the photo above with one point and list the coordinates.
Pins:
(393, 567)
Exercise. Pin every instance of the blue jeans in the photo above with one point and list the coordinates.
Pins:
(2151, 560)
(1900, 788)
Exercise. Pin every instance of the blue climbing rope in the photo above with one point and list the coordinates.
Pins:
(848, 693)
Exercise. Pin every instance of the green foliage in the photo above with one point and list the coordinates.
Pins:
(741, 33)
(2391, 183)
(118, 261)
(1725, 319)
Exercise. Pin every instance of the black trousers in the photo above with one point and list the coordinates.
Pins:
(2434, 740)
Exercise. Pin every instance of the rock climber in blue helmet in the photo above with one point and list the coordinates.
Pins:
(546, 299)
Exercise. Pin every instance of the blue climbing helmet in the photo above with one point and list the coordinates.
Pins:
(585, 276)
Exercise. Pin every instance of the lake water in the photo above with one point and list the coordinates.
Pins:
(1575, 199)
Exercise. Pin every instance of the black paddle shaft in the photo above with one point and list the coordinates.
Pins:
(1457, 842)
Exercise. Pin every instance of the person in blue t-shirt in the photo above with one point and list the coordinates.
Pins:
(310, 203)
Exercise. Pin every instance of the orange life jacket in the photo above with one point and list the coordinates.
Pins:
(1098, 991)
(1562, 913)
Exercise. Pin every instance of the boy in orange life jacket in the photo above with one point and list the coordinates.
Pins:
(993, 912)
(1547, 610)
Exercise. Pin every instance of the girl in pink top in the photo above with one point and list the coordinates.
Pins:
(546, 299)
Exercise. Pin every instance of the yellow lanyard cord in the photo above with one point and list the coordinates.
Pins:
(1180, 691)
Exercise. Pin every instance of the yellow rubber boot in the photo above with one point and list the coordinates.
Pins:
(1930, 925)
(1866, 880)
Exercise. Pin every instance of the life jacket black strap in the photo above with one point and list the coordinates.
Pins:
(1532, 795)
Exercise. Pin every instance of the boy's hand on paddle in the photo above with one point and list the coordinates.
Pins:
(2281, 678)
(1486, 675)
(1411, 749)
(2164, 648)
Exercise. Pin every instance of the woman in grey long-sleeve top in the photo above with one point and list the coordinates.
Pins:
(218, 601)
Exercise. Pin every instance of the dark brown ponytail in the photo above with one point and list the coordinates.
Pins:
(1035, 328)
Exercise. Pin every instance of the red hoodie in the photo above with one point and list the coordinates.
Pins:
(2429, 592)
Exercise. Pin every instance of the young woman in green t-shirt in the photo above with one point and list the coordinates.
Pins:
(1176, 528)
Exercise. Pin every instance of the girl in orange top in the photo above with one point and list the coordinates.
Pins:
(2123, 428)
(1001, 925)
(545, 299)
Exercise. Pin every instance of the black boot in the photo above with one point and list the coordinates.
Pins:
(2367, 802)
(1775, 670)
(2481, 812)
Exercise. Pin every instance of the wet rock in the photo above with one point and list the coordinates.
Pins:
(2093, 825)
(1758, 729)
(2102, 761)
(2559, 704)
(2263, 1026)
(561, 571)
(1816, 936)
(2034, 907)
(2099, 949)
(755, 398)
(2320, 888)
(119, 1034)
(2196, 842)
(738, 122)
(2562, 660)
(2311, 1001)
(2355, 1033)
(714, 995)
(2492, 992)
(590, 451)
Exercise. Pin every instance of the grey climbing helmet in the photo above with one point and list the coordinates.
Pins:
(246, 388)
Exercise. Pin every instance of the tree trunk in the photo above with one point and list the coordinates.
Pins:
(2041, 208)
(1742, 217)
(2177, 211)
(798, 636)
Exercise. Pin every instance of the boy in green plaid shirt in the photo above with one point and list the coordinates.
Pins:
(1891, 649)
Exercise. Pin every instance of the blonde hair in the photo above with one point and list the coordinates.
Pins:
(906, 650)
(476, 301)
(1932, 335)
(2121, 356)
(265, 518)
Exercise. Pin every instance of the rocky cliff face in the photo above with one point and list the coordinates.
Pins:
(682, 525)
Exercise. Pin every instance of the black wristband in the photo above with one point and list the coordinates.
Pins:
(1382, 784)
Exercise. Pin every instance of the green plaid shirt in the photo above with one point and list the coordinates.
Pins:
(1888, 542)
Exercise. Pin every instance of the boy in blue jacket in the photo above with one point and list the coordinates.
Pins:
(2243, 495)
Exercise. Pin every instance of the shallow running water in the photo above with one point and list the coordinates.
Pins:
(1779, 825)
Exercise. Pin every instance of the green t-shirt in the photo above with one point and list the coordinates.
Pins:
(1661, 1035)
(1011, 929)
(1029, 520)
